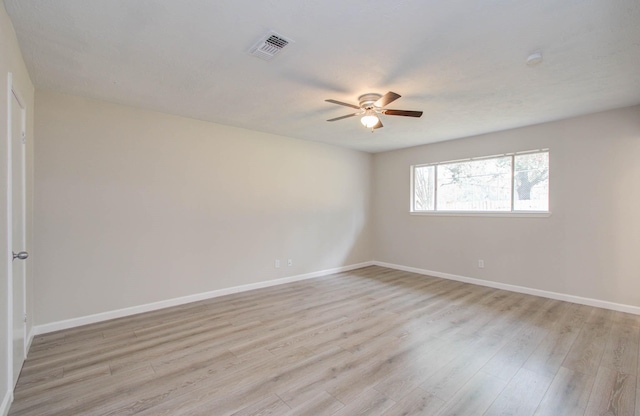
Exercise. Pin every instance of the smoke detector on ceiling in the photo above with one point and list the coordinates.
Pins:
(269, 46)
(534, 59)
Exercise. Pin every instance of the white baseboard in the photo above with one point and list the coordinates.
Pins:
(6, 402)
(119, 313)
(519, 289)
(30, 339)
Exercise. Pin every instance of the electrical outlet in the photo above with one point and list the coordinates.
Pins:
(290, 262)
(277, 263)
(481, 264)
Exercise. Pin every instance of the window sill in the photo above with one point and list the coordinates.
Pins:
(520, 214)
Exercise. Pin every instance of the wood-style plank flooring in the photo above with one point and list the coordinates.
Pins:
(373, 341)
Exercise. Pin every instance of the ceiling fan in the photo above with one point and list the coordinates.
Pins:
(371, 106)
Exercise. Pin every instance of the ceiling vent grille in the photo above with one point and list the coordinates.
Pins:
(269, 46)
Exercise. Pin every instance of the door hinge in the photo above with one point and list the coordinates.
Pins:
(25, 318)
(24, 138)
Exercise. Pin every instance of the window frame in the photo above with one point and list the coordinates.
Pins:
(465, 213)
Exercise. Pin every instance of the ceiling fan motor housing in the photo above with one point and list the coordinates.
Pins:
(366, 101)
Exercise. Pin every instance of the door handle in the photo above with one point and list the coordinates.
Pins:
(21, 255)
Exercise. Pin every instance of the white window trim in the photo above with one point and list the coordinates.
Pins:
(503, 214)
(508, 214)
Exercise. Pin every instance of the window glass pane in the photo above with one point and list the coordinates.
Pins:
(478, 185)
(423, 184)
(531, 182)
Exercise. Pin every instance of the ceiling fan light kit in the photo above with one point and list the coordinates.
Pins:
(371, 106)
(370, 119)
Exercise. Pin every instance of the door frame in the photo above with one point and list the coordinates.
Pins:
(11, 93)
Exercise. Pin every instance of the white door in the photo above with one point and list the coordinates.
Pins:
(18, 232)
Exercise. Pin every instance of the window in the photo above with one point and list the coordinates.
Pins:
(516, 182)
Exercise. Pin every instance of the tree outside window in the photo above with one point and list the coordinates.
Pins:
(518, 182)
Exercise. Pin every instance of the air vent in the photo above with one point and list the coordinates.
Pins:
(269, 46)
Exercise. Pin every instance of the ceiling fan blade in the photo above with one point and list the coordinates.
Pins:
(341, 103)
(378, 125)
(340, 118)
(386, 99)
(406, 113)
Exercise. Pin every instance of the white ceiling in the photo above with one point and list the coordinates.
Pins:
(460, 61)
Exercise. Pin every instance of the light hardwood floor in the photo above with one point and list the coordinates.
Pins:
(373, 341)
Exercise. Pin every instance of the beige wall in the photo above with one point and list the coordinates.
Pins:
(11, 61)
(134, 207)
(588, 247)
